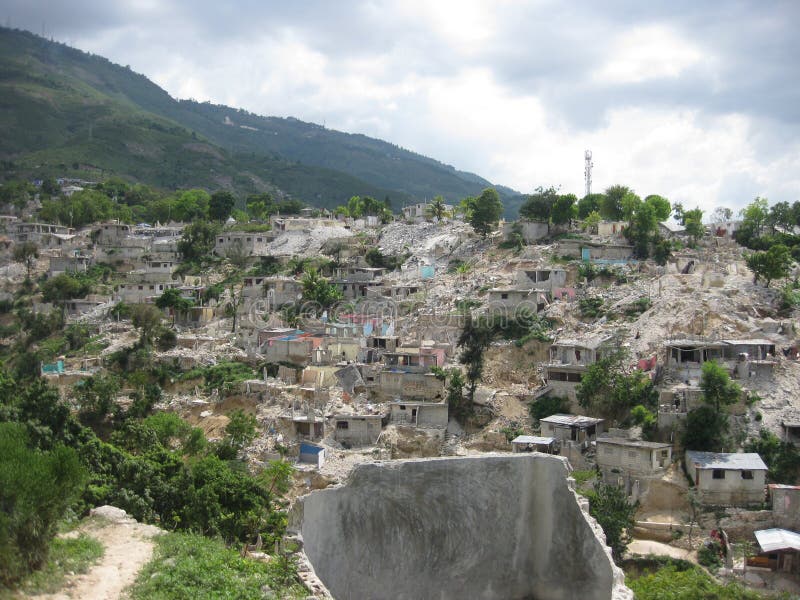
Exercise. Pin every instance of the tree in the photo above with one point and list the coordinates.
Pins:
(437, 209)
(197, 241)
(611, 207)
(355, 207)
(642, 228)
(458, 406)
(539, 206)
(606, 388)
(662, 250)
(260, 206)
(782, 458)
(236, 292)
(474, 339)
(630, 205)
(319, 290)
(220, 205)
(692, 220)
(608, 504)
(36, 489)
(172, 299)
(241, 428)
(485, 211)
(718, 389)
(16, 193)
(26, 253)
(64, 287)
(83, 208)
(592, 220)
(96, 396)
(707, 425)
(780, 215)
(775, 263)
(589, 204)
(755, 215)
(146, 318)
(721, 214)
(660, 205)
(564, 210)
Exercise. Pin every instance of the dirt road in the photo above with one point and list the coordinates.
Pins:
(128, 547)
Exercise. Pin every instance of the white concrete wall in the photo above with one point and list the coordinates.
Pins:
(490, 528)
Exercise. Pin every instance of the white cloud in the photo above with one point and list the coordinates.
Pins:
(650, 52)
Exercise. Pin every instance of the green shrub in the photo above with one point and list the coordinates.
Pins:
(638, 307)
(709, 555)
(590, 308)
(36, 488)
(547, 406)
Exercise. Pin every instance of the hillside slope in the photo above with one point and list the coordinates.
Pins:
(61, 106)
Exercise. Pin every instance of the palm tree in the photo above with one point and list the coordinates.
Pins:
(437, 209)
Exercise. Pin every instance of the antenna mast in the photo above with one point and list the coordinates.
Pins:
(587, 171)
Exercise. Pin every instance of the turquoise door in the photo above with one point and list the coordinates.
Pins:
(585, 254)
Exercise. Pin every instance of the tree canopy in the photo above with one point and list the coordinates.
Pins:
(707, 425)
(484, 211)
(772, 264)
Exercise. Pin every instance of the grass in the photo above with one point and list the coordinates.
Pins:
(660, 578)
(193, 567)
(581, 477)
(67, 555)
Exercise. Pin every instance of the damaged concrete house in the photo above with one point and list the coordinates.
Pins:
(569, 359)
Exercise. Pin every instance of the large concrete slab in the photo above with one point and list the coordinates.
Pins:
(491, 527)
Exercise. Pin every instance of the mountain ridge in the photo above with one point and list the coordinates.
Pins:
(244, 151)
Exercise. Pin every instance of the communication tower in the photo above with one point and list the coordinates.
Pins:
(587, 171)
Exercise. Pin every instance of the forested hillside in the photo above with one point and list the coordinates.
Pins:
(64, 111)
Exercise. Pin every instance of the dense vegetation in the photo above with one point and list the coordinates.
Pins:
(156, 467)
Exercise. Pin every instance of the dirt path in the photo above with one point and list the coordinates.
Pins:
(128, 547)
(657, 548)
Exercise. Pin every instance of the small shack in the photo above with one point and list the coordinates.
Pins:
(780, 550)
(312, 454)
(533, 443)
(572, 428)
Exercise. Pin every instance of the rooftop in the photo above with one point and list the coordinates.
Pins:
(771, 540)
(717, 460)
(533, 439)
(577, 420)
(632, 443)
(591, 341)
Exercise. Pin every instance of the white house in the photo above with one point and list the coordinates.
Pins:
(727, 479)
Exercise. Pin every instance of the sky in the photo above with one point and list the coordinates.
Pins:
(695, 101)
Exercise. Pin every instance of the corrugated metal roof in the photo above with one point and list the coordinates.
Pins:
(578, 420)
(715, 460)
(771, 540)
(754, 342)
(533, 439)
(632, 443)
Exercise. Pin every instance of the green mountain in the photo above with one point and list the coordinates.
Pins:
(64, 111)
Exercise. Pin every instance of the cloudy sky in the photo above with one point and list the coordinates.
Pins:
(697, 101)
